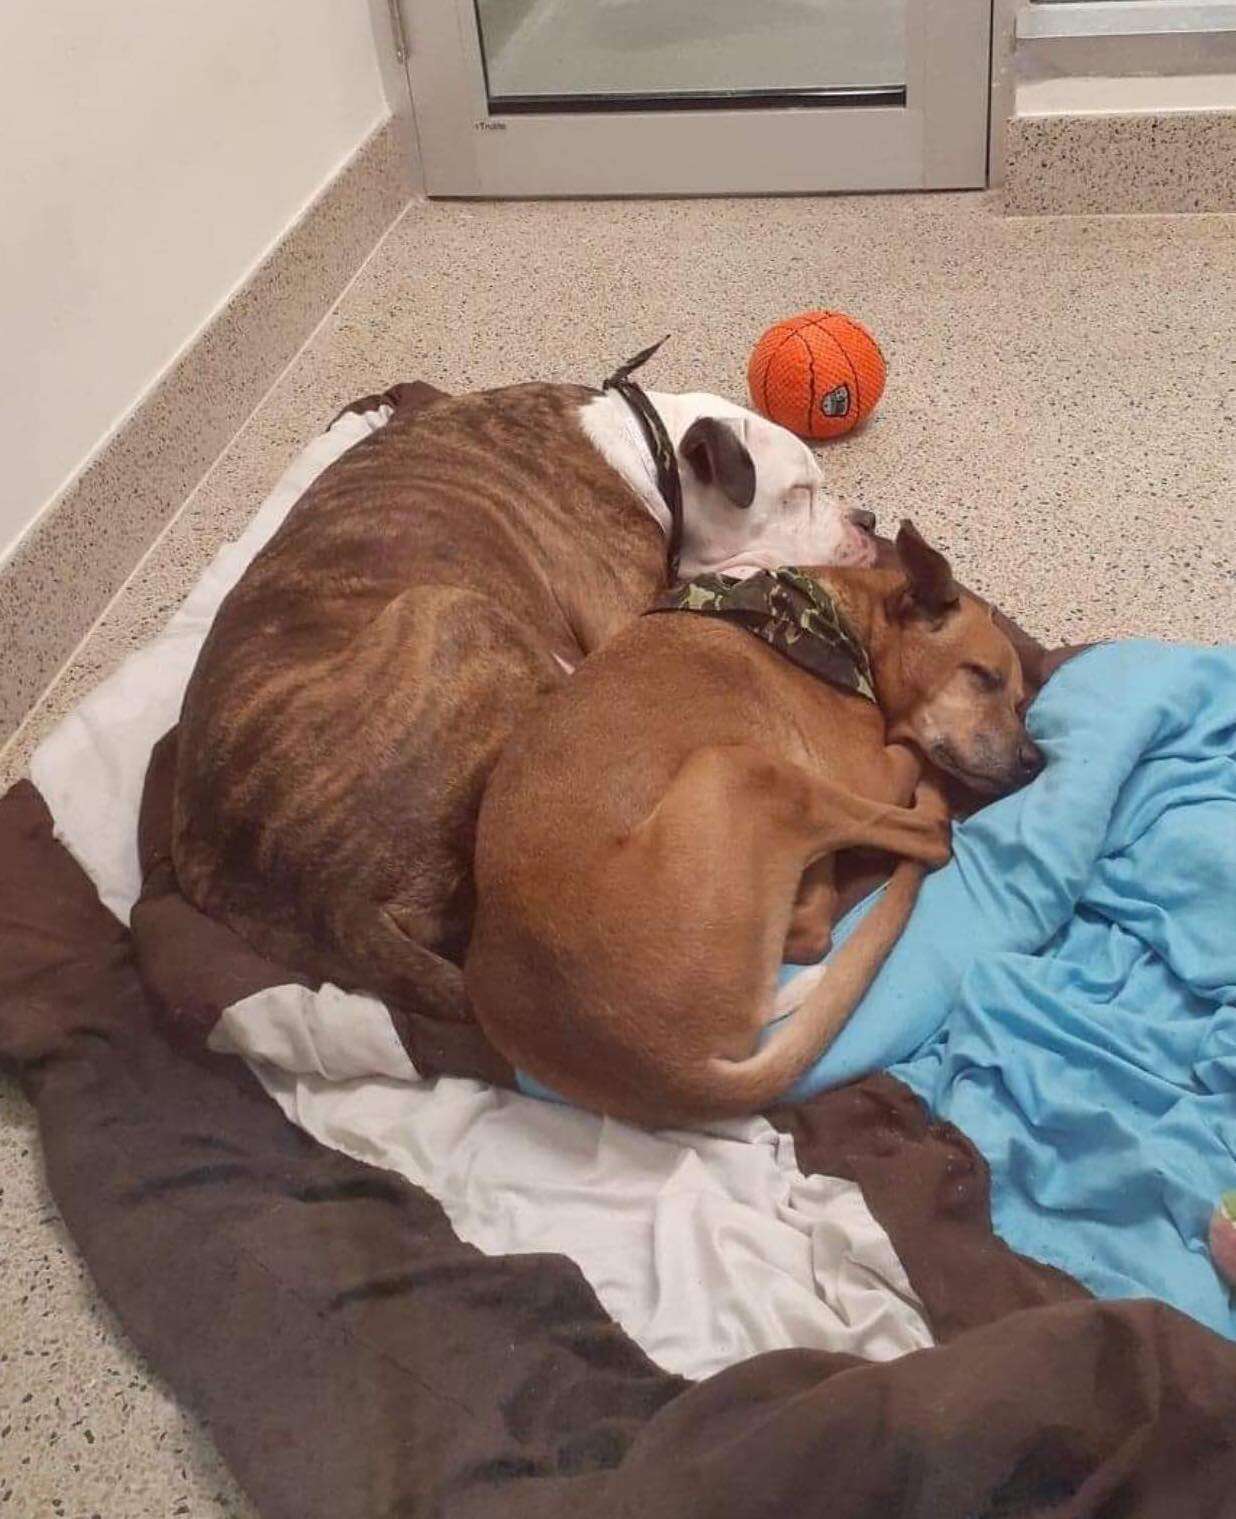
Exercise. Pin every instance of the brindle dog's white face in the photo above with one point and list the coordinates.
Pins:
(753, 493)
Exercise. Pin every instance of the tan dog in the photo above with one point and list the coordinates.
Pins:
(658, 839)
(361, 679)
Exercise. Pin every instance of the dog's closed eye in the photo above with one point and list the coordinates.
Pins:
(985, 678)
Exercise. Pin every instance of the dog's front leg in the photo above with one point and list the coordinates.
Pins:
(919, 833)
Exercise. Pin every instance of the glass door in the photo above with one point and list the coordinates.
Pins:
(597, 97)
(624, 54)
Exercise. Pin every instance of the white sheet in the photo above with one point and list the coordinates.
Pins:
(706, 1247)
(90, 768)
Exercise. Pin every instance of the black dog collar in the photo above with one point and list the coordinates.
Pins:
(669, 481)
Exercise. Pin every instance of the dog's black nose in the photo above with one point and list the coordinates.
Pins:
(1030, 758)
(861, 517)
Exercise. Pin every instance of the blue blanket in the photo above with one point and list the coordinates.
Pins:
(1066, 990)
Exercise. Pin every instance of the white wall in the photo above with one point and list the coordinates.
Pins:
(150, 153)
(1093, 95)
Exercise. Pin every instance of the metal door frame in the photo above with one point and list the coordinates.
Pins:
(937, 140)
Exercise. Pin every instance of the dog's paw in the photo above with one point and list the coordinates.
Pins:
(931, 805)
(930, 802)
(941, 852)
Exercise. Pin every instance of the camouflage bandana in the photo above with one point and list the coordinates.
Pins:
(791, 612)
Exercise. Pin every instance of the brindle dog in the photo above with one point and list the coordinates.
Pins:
(360, 680)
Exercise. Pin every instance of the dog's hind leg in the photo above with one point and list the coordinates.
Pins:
(707, 884)
(392, 963)
(748, 838)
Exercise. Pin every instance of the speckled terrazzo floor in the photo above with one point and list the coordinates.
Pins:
(1061, 412)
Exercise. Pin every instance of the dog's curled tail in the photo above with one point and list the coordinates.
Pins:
(730, 1088)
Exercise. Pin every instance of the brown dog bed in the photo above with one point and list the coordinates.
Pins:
(353, 1357)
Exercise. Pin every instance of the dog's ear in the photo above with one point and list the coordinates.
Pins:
(930, 587)
(719, 457)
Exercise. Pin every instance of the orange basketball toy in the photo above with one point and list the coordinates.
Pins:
(819, 374)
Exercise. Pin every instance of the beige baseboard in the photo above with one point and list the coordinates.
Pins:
(80, 551)
(1112, 163)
